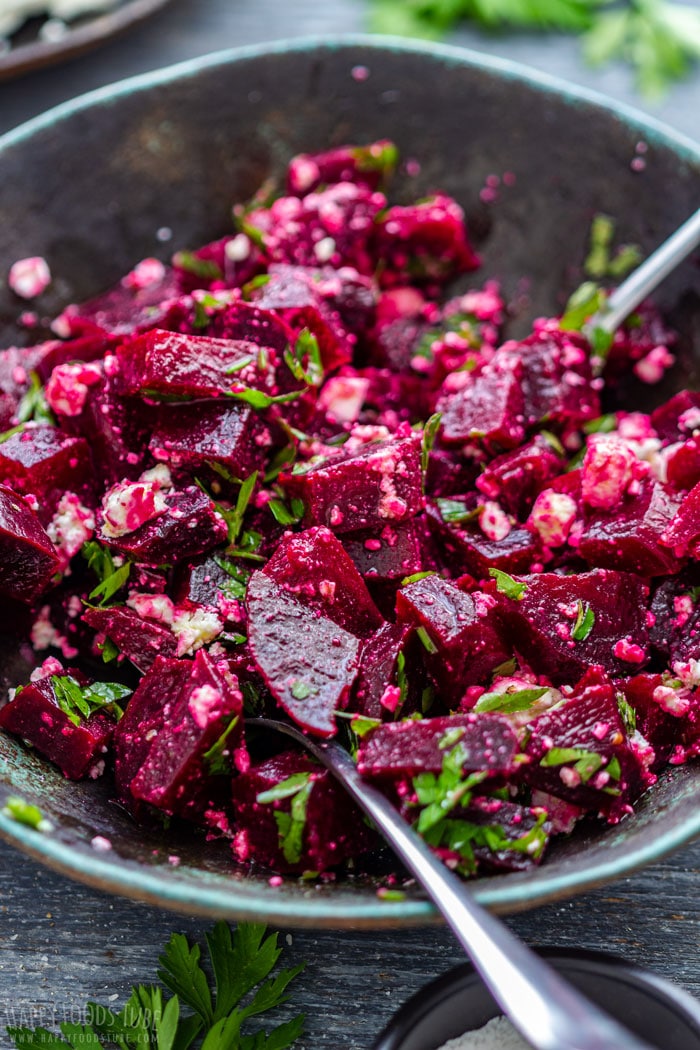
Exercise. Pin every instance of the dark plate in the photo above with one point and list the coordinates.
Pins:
(659, 1012)
(29, 51)
(90, 184)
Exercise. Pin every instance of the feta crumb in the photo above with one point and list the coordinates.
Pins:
(195, 629)
(128, 505)
(552, 516)
(493, 521)
(29, 277)
(204, 705)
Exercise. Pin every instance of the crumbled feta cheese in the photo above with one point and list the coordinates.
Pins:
(493, 521)
(29, 277)
(67, 389)
(72, 525)
(193, 629)
(552, 516)
(342, 397)
(128, 505)
(204, 705)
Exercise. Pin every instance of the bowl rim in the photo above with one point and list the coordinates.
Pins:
(183, 894)
(433, 995)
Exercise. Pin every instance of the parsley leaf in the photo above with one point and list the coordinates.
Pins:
(507, 703)
(112, 577)
(585, 619)
(304, 360)
(290, 824)
(246, 983)
(25, 813)
(33, 404)
(80, 702)
(507, 585)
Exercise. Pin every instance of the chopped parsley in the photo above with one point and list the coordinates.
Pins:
(291, 824)
(508, 703)
(207, 269)
(80, 702)
(585, 620)
(26, 813)
(430, 432)
(111, 576)
(304, 359)
(507, 585)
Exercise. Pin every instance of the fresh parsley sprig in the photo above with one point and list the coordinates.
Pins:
(659, 39)
(201, 1012)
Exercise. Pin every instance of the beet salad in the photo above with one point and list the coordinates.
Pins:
(296, 473)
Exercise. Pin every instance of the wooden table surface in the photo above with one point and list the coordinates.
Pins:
(62, 944)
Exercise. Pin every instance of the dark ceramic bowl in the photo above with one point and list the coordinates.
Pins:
(662, 1014)
(89, 185)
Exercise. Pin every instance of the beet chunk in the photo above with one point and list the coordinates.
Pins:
(314, 826)
(378, 693)
(189, 525)
(143, 719)
(76, 745)
(314, 567)
(308, 662)
(628, 537)
(404, 749)
(683, 533)
(174, 774)
(141, 641)
(465, 548)
(579, 751)
(390, 555)
(45, 463)
(200, 432)
(519, 834)
(378, 485)
(28, 558)
(423, 243)
(540, 625)
(489, 408)
(515, 478)
(161, 363)
(465, 642)
(363, 165)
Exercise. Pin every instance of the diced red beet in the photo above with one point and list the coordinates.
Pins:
(396, 396)
(558, 386)
(364, 165)
(190, 525)
(514, 478)
(200, 432)
(43, 462)
(378, 694)
(304, 299)
(144, 718)
(129, 304)
(654, 722)
(378, 485)
(424, 243)
(683, 533)
(541, 623)
(404, 749)
(314, 567)
(512, 822)
(308, 662)
(489, 408)
(28, 559)
(140, 641)
(333, 225)
(462, 628)
(229, 262)
(670, 419)
(117, 430)
(391, 554)
(465, 548)
(173, 776)
(165, 364)
(332, 828)
(683, 464)
(628, 537)
(86, 345)
(78, 750)
(608, 774)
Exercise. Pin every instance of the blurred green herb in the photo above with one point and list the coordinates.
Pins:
(659, 39)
